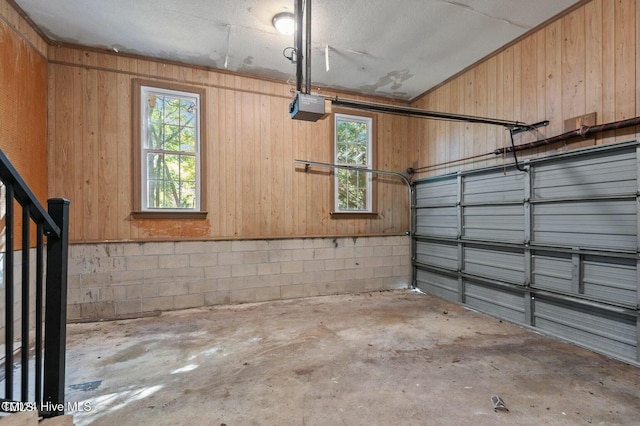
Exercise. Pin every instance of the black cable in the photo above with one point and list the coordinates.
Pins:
(515, 157)
(293, 52)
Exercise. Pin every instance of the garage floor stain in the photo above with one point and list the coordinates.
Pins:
(384, 358)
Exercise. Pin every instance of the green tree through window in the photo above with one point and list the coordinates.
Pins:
(170, 149)
(353, 148)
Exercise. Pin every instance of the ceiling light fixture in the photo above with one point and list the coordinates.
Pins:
(284, 22)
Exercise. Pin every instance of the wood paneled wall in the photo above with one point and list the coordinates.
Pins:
(587, 61)
(23, 106)
(254, 188)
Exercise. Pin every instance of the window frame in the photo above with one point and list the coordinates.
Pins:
(371, 120)
(140, 210)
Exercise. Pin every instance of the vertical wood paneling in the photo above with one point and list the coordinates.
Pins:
(23, 29)
(529, 98)
(608, 67)
(574, 68)
(637, 65)
(246, 164)
(23, 109)
(517, 90)
(442, 127)
(124, 159)
(107, 158)
(289, 207)
(507, 88)
(253, 188)
(211, 162)
(491, 107)
(553, 91)
(23, 113)
(573, 64)
(430, 135)
(498, 101)
(625, 60)
(541, 79)
(469, 138)
(593, 52)
(586, 61)
(456, 130)
(90, 152)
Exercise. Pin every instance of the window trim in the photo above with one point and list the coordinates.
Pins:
(349, 214)
(139, 211)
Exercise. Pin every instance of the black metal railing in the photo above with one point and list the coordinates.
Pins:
(42, 387)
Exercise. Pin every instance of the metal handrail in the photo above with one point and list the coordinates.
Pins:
(48, 386)
(24, 195)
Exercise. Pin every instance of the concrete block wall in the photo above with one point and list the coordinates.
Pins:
(110, 280)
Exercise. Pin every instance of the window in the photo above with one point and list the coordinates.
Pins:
(353, 146)
(168, 152)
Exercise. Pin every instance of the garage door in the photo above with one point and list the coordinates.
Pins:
(555, 248)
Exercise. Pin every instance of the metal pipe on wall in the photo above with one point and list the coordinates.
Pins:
(584, 131)
(405, 179)
(411, 193)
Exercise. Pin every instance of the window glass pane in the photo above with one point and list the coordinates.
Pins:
(170, 149)
(352, 190)
(188, 139)
(170, 194)
(358, 200)
(154, 136)
(363, 178)
(341, 152)
(154, 109)
(352, 147)
(187, 116)
(171, 137)
(188, 194)
(351, 142)
(155, 193)
(171, 110)
(172, 167)
(187, 168)
(155, 166)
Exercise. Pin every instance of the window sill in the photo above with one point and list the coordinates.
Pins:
(352, 215)
(168, 215)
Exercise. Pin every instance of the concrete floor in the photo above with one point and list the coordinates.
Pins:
(391, 358)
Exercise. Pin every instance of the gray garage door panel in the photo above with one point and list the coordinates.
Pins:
(607, 332)
(499, 302)
(439, 192)
(494, 223)
(556, 247)
(592, 176)
(437, 222)
(439, 255)
(440, 285)
(610, 224)
(611, 280)
(502, 265)
(493, 187)
(552, 271)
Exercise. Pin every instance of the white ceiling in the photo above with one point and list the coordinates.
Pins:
(395, 49)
